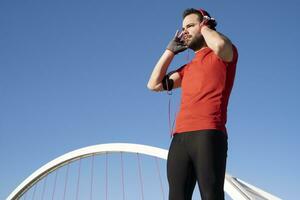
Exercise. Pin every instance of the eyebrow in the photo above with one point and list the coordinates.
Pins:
(192, 23)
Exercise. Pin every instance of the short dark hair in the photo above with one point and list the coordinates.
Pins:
(192, 11)
(212, 23)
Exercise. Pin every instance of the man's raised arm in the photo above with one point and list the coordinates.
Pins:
(159, 72)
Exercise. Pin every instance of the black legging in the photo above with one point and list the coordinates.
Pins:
(197, 156)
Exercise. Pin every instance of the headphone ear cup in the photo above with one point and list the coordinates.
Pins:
(212, 22)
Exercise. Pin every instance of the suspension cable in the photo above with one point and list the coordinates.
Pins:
(24, 196)
(160, 180)
(34, 190)
(78, 179)
(53, 192)
(106, 176)
(66, 181)
(92, 177)
(122, 167)
(140, 174)
(44, 188)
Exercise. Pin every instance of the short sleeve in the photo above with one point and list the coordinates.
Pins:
(235, 54)
(181, 71)
(234, 58)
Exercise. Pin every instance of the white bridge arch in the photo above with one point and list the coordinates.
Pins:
(234, 187)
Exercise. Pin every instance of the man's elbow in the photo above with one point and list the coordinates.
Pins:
(153, 88)
(150, 86)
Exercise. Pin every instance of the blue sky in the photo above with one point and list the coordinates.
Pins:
(74, 74)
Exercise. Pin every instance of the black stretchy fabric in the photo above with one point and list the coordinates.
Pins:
(197, 156)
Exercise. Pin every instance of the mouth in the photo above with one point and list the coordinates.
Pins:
(187, 39)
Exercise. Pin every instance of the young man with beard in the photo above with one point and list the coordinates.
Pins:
(198, 150)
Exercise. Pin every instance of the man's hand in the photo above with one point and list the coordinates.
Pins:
(177, 44)
(208, 21)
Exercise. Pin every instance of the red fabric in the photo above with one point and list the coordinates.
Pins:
(206, 85)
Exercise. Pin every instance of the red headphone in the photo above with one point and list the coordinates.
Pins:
(204, 12)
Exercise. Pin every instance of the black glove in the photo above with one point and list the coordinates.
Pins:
(177, 44)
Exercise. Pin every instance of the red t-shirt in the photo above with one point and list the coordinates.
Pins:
(206, 85)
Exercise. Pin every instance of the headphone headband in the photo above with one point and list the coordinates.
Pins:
(203, 12)
(207, 16)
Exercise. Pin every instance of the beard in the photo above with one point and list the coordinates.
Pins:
(196, 43)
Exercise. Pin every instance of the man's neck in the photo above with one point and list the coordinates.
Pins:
(203, 47)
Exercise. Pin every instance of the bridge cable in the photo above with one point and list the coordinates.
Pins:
(122, 167)
(140, 174)
(160, 180)
(66, 181)
(78, 179)
(54, 187)
(44, 188)
(92, 177)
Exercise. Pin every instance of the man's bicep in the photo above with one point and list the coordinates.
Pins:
(226, 50)
(177, 80)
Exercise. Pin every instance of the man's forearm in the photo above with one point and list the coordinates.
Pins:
(160, 69)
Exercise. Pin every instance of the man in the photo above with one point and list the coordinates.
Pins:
(198, 150)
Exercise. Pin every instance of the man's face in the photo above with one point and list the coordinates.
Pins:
(191, 29)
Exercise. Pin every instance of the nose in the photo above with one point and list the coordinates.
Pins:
(185, 31)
